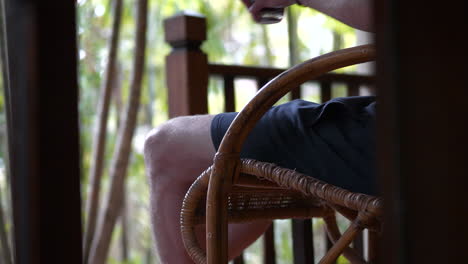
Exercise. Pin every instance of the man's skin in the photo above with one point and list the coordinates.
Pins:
(355, 13)
(175, 154)
(179, 150)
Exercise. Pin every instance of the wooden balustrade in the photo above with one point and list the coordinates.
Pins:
(187, 74)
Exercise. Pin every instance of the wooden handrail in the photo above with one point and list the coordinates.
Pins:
(268, 72)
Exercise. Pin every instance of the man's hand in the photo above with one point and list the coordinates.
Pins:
(255, 6)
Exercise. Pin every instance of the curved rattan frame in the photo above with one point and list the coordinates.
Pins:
(224, 174)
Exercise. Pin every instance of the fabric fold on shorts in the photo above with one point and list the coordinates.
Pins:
(333, 142)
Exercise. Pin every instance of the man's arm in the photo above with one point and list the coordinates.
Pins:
(355, 13)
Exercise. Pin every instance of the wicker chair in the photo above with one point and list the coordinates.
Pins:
(235, 190)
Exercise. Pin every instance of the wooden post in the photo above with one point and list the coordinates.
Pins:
(353, 89)
(44, 133)
(269, 252)
(325, 91)
(229, 96)
(239, 259)
(186, 65)
(303, 244)
(421, 129)
(358, 243)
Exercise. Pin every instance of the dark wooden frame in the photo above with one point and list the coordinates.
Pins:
(422, 142)
(44, 135)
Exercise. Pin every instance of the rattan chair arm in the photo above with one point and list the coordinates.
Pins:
(284, 83)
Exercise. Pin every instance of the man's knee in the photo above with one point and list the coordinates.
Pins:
(158, 144)
(177, 142)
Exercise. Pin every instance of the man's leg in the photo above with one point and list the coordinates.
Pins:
(175, 155)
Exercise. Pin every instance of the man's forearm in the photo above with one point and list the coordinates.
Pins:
(356, 13)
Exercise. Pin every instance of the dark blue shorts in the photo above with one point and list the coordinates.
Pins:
(333, 142)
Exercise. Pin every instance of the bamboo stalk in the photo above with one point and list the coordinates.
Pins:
(97, 165)
(100, 245)
(124, 226)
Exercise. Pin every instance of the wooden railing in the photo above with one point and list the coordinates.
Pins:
(187, 75)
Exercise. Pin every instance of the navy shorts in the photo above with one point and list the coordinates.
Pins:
(333, 142)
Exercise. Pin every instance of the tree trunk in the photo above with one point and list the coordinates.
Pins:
(6, 91)
(266, 43)
(124, 226)
(5, 249)
(293, 46)
(293, 43)
(117, 94)
(149, 256)
(4, 61)
(151, 95)
(107, 221)
(338, 41)
(100, 132)
(5, 253)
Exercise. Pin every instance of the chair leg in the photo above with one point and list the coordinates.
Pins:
(344, 241)
(225, 168)
(216, 226)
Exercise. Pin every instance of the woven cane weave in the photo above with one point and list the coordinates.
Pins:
(295, 196)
